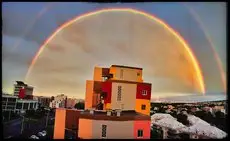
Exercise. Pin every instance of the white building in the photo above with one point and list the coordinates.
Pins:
(59, 101)
(20, 85)
(12, 103)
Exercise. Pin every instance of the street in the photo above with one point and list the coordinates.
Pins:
(13, 129)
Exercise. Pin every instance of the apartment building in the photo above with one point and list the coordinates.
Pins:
(117, 106)
(13, 103)
(23, 90)
(118, 87)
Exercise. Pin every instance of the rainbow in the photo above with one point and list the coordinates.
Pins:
(171, 30)
(219, 63)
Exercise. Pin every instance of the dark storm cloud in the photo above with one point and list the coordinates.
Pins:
(25, 25)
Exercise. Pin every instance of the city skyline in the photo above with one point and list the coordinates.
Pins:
(20, 45)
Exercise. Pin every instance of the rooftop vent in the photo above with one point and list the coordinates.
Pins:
(118, 113)
(91, 111)
(109, 113)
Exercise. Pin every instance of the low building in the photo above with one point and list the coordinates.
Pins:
(13, 103)
(59, 101)
(44, 101)
(9, 102)
(98, 124)
(71, 102)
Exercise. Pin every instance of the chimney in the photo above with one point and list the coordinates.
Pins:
(91, 111)
(109, 113)
(118, 113)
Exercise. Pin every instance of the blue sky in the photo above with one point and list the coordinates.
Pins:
(27, 25)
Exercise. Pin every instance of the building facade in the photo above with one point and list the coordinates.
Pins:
(118, 87)
(43, 101)
(13, 103)
(59, 101)
(23, 91)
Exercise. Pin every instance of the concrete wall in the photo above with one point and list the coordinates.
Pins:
(128, 96)
(59, 125)
(139, 103)
(115, 129)
(85, 128)
(142, 125)
(127, 75)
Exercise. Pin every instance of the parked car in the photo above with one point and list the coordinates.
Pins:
(34, 137)
(42, 134)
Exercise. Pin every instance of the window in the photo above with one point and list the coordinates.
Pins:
(119, 93)
(139, 133)
(138, 74)
(144, 92)
(143, 107)
(121, 74)
(103, 133)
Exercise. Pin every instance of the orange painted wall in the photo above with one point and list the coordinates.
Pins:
(97, 74)
(89, 94)
(142, 125)
(146, 102)
(59, 125)
(85, 128)
(112, 70)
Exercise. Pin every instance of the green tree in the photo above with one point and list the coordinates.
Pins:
(80, 105)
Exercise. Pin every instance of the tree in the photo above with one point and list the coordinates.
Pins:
(183, 119)
(80, 105)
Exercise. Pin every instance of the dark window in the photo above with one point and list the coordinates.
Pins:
(121, 75)
(12, 99)
(140, 133)
(11, 103)
(19, 106)
(143, 107)
(104, 130)
(3, 99)
(31, 106)
(138, 74)
(25, 105)
(119, 93)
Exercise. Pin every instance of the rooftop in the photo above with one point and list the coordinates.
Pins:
(120, 66)
(124, 115)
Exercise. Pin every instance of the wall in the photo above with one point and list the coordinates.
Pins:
(140, 102)
(59, 125)
(115, 129)
(140, 88)
(128, 74)
(89, 94)
(142, 125)
(107, 87)
(85, 129)
(97, 74)
(128, 96)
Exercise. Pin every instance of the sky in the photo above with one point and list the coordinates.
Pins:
(114, 38)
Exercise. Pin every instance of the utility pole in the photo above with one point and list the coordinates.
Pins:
(22, 128)
(9, 114)
(47, 117)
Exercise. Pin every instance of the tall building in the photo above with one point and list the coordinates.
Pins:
(117, 106)
(23, 91)
(118, 87)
